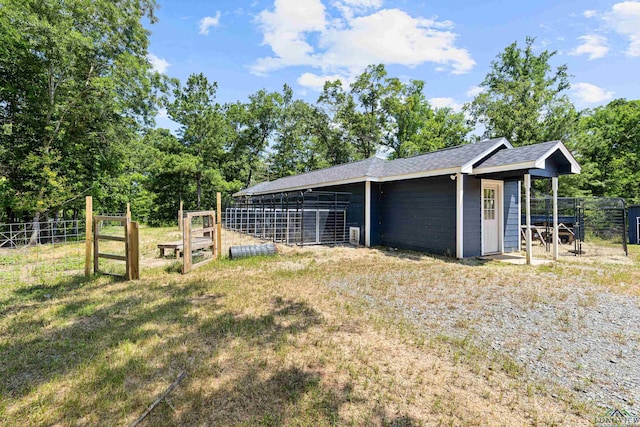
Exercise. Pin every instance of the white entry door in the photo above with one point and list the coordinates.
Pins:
(491, 216)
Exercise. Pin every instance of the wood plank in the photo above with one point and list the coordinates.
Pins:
(134, 251)
(95, 246)
(186, 244)
(127, 226)
(112, 256)
(200, 213)
(112, 238)
(88, 230)
(202, 231)
(201, 263)
(121, 219)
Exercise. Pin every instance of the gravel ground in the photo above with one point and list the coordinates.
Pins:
(582, 339)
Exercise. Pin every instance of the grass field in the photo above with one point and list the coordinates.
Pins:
(273, 341)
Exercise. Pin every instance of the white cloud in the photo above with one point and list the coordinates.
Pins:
(349, 8)
(158, 64)
(208, 22)
(591, 94)
(446, 103)
(593, 45)
(624, 18)
(474, 91)
(316, 82)
(162, 112)
(589, 13)
(303, 33)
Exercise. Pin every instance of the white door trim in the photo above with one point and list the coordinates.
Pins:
(499, 213)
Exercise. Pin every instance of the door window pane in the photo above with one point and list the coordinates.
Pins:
(489, 203)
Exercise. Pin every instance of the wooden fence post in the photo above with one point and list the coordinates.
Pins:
(88, 229)
(219, 225)
(186, 245)
(134, 251)
(95, 246)
(129, 211)
(180, 215)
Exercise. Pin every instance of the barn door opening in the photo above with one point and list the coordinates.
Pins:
(491, 217)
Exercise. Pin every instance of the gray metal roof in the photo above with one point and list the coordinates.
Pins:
(490, 152)
(528, 153)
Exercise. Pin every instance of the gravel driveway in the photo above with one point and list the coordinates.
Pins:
(583, 338)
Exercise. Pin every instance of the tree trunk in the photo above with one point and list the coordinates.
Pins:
(249, 178)
(35, 230)
(199, 187)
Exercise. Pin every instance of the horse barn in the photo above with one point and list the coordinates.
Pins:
(462, 201)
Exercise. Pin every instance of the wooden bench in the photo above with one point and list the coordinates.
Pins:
(177, 246)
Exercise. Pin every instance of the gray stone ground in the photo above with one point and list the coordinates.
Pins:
(585, 340)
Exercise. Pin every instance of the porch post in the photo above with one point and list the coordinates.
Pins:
(556, 237)
(459, 216)
(527, 192)
(367, 213)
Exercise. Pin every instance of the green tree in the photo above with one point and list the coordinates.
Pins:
(252, 126)
(524, 99)
(338, 108)
(297, 146)
(171, 172)
(203, 130)
(75, 87)
(367, 122)
(608, 148)
(413, 126)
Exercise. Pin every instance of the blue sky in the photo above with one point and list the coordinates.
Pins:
(245, 46)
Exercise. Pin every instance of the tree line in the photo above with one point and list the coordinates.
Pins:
(78, 97)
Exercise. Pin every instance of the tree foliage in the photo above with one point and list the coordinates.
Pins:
(381, 113)
(608, 147)
(524, 99)
(75, 86)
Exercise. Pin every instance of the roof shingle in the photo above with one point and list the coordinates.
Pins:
(490, 152)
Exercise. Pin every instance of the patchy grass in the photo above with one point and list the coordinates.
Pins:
(271, 341)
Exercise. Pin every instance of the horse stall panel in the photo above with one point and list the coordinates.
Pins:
(290, 226)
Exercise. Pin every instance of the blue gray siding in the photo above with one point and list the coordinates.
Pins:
(419, 214)
(376, 220)
(634, 213)
(472, 244)
(511, 218)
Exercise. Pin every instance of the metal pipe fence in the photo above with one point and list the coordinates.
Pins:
(53, 231)
(289, 226)
(43, 251)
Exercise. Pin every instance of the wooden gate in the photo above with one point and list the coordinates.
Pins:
(131, 245)
(194, 239)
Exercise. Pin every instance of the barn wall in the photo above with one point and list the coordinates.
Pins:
(511, 218)
(419, 214)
